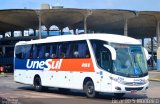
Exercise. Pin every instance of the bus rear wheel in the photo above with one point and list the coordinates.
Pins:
(89, 89)
(37, 84)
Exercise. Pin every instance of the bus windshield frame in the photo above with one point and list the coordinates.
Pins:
(130, 59)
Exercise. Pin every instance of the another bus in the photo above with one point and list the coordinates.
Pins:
(90, 62)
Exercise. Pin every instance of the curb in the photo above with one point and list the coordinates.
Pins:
(154, 79)
(3, 75)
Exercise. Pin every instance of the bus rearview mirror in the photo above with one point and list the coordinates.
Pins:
(112, 50)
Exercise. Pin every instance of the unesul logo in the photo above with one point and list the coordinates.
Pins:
(45, 65)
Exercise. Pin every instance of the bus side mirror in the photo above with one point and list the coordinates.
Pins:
(146, 54)
(112, 50)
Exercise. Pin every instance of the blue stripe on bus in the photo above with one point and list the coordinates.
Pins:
(21, 64)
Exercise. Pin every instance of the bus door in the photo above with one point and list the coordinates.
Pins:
(105, 63)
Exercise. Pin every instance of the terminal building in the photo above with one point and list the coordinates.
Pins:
(26, 24)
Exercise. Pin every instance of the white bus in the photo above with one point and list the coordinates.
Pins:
(90, 62)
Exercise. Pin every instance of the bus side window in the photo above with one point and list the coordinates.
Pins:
(27, 51)
(34, 55)
(74, 50)
(68, 51)
(54, 50)
(83, 50)
(105, 60)
(62, 51)
(41, 51)
(47, 51)
(19, 52)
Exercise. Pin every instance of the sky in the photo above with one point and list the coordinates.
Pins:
(139, 5)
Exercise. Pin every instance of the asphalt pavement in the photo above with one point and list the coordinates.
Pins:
(26, 94)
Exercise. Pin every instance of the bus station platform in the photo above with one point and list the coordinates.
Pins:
(154, 75)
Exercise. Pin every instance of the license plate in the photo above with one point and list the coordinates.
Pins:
(133, 91)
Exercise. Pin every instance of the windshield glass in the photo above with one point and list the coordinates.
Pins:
(130, 60)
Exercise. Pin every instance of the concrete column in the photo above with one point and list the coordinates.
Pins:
(158, 45)
(152, 54)
(89, 12)
(12, 33)
(85, 24)
(40, 24)
(158, 33)
(61, 30)
(22, 32)
(143, 42)
(47, 31)
(126, 27)
(34, 32)
(74, 31)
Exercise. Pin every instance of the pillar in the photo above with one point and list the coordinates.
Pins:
(158, 34)
(40, 24)
(158, 45)
(34, 30)
(47, 31)
(126, 27)
(61, 30)
(74, 31)
(143, 42)
(89, 12)
(85, 24)
(12, 33)
(22, 32)
(152, 54)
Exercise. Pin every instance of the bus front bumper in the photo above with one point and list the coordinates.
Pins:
(121, 88)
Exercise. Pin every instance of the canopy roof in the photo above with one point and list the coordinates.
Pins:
(140, 23)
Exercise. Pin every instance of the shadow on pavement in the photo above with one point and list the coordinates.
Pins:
(80, 94)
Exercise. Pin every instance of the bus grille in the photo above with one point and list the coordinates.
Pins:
(130, 89)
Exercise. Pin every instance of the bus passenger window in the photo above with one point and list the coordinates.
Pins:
(68, 51)
(62, 55)
(34, 51)
(87, 53)
(83, 50)
(47, 50)
(41, 51)
(63, 50)
(54, 50)
(19, 52)
(27, 50)
(76, 54)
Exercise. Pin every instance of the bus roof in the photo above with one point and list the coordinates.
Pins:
(99, 36)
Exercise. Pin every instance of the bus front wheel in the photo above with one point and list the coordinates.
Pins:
(37, 84)
(90, 89)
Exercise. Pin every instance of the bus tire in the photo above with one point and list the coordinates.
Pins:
(37, 84)
(89, 89)
(119, 95)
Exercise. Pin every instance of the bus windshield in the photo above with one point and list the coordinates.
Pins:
(130, 60)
